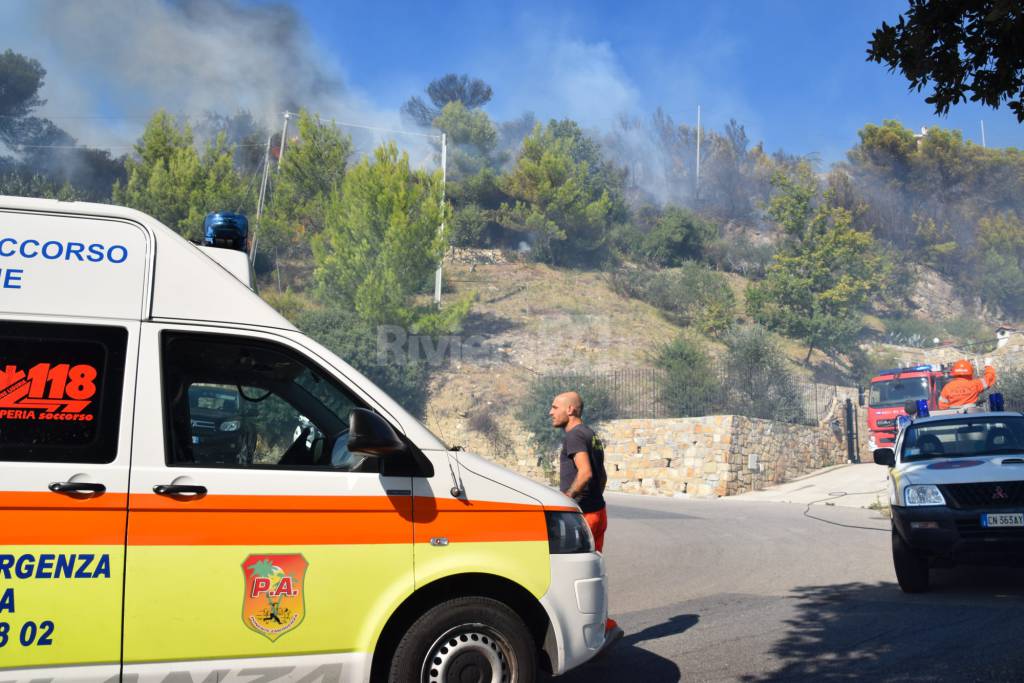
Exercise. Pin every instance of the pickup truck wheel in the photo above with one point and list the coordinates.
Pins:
(911, 568)
(476, 640)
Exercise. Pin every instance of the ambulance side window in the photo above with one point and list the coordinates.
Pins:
(236, 402)
(60, 392)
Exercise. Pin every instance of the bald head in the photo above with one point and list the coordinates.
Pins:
(566, 410)
(572, 400)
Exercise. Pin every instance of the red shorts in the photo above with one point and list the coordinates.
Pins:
(598, 523)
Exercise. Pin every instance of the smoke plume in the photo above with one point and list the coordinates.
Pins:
(190, 57)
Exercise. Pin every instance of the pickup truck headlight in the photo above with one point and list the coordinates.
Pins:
(230, 425)
(923, 494)
(568, 532)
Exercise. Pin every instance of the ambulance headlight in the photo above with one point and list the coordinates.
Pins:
(230, 425)
(923, 494)
(568, 533)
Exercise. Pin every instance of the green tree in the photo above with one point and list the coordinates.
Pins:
(472, 139)
(968, 49)
(820, 281)
(928, 194)
(172, 182)
(312, 171)
(21, 78)
(380, 243)
(476, 200)
(999, 258)
(473, 93)
(23, 185)
(45, 155)
(562, 192)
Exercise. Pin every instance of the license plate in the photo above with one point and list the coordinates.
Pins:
(1004, 519)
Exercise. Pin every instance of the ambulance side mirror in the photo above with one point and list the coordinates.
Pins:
(370, 434)
(885, 456)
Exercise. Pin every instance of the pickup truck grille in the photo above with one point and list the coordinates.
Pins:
(984, 495)
(971, 529)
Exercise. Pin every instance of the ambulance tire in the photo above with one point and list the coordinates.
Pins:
(911, 568)
(463, 639)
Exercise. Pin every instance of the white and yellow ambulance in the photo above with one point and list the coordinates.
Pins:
(193, 490)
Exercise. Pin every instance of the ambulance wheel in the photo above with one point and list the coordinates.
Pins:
(477, 640)
(911, 568)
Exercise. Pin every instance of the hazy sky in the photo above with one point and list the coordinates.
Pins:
(793, 72)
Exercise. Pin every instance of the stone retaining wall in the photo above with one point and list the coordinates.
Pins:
(717, 455)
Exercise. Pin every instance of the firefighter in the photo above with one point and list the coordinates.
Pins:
(963, 389)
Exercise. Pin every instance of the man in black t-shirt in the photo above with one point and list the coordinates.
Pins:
(583, 478)
(581, 473)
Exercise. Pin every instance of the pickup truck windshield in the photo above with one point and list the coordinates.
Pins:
(975, 435)
(896, 392)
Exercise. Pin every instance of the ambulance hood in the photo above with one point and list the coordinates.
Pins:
(545, 495)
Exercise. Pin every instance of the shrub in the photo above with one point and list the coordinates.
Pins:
(533, 407)
(912, 332)
(288, 303)
(677, 235)
(866, 364)
(1011, 384)
(966, 330)
(692, 384)
(740, 256)
(690, 295)
(759, 380)
(469, 226)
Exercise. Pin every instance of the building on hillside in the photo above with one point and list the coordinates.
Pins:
(1003, 334)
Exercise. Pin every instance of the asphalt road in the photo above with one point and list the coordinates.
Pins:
(730, 590)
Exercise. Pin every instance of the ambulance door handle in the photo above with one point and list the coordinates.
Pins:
(178, 489)
(76, 487)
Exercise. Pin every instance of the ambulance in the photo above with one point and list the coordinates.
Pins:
(335, 539)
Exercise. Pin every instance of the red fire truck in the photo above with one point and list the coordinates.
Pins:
(890, 391)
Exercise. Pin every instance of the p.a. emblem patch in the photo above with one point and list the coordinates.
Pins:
(274, 602)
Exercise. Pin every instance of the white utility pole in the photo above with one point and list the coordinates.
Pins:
(697, 190)
(263, 197)
(284, 138)
(983, 133)
(444, 181)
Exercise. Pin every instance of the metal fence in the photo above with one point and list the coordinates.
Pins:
(651, 393)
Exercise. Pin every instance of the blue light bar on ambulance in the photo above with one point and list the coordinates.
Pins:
(996, 403)
(226, 229)
(922, 407)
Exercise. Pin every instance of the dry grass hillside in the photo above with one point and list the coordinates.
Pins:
(529, 320)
